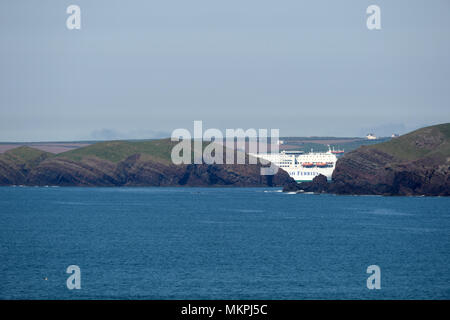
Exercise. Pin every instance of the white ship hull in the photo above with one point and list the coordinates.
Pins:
(302, 167)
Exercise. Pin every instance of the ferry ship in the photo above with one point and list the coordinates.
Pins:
(302, 166)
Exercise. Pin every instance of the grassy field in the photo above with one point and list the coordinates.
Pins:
(24, 157)
(25, 153)
(116, 151)
(429, 141)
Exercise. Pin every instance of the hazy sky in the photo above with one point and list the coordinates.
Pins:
(139, 69)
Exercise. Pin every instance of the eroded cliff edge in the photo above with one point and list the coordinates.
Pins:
(122, 163)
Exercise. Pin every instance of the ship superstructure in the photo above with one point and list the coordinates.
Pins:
(302, 166)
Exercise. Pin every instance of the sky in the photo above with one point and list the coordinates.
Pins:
(140, 69)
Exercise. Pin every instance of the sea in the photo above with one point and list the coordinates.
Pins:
(220, 243)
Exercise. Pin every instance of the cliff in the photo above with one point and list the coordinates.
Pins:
(124, 163)
(417, 163)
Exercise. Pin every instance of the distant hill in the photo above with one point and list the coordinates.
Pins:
(124, 163)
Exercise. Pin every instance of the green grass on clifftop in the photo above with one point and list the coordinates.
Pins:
(425, 142)
(24, 157)
(116, 151)
(25, 154)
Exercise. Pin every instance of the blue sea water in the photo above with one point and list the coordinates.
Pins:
(220, 243)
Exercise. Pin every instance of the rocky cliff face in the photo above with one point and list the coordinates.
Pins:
(135, 170)
(16, 164)
(370, 171)
(319, 184)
